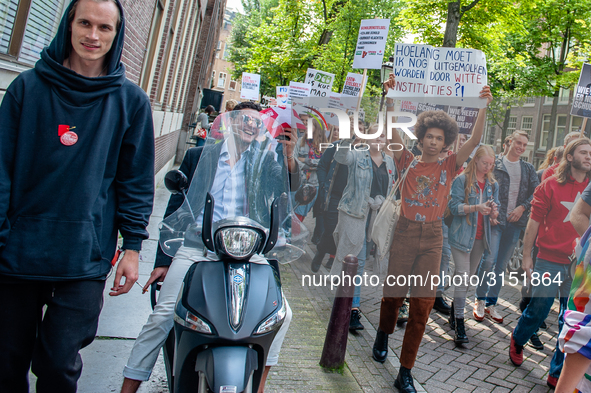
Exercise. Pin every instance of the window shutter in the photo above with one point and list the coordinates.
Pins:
(42, 23)
(7, 16)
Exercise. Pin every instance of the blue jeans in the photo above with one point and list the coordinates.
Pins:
(541, 303)
(503, 242)
(445, 257)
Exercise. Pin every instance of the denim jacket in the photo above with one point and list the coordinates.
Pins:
(461, 234)
(527, 186)
(355, 200)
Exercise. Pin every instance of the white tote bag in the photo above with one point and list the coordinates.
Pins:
(384, 225)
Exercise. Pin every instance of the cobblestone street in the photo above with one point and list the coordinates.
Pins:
(483, 365)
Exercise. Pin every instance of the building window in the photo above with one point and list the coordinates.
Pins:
(563, 96)
(222, 80)
(512, 124)
(226, 52)
(560, 129)
(529, 101)
(27, 26)
(545, 129)
(526, 123)
(576, 123)
(212, 80)
(232, 85)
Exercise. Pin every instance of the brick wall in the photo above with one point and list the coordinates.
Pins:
(165, 149)
(159, 73)
(204, 56)
(138, 20)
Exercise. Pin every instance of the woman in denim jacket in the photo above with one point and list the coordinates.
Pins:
(474, 204)
(371, 177)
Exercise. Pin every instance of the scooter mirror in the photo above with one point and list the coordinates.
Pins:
(176, 181)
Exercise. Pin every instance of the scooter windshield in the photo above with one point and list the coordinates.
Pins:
(243, 167)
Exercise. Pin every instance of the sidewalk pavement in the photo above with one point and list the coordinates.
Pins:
(481, 366)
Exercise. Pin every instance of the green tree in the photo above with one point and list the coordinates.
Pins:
(557, 36)
(280, 39)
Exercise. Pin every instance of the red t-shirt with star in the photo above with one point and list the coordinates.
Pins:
(551, 207)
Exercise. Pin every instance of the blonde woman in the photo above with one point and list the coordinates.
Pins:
(474, 200)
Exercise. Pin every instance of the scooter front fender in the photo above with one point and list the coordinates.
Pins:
(227, 367)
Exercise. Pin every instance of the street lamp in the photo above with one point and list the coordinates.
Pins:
(385, 71)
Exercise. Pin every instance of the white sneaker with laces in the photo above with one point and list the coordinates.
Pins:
(492, 313)
(479, 310)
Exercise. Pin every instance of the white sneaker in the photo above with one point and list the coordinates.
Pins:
(492, 313)
(479, 310)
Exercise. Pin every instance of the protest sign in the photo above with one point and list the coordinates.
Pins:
(449, 76)
(465, 117)
(298, 90)
(279, 118)
(582, 98)
(371, 43)
(250, 86)
(334, 101)
(353, 85)
(320, 82)
(282, 95)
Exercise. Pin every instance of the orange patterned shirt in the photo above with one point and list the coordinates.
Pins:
(426, 187)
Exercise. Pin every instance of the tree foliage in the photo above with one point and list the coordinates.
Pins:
(280, 39)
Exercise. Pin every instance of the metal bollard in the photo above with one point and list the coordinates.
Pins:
(335, 343)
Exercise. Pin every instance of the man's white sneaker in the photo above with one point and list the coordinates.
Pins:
(479, 310)
(492, 313)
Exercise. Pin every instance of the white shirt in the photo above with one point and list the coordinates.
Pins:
(514, 170)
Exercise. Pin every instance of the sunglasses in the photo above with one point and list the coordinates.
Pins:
(251, 121)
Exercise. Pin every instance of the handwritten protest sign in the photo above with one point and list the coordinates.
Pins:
(320, 82)
(371, 43)
(450, 76)
(282, 95)
(582, 98)
(250, 86)
(465, 117)
(353, 85)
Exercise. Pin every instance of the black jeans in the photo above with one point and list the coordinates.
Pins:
(326, 244)
(48, 340)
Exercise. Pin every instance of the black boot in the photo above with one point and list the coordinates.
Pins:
(354, 323)
(441, 305)
(452, 318)
(316, 262)
(329, 263)
(380, 347)
(460, 337)
(404, 381)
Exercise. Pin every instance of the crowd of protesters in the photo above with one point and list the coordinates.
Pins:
(463, 203)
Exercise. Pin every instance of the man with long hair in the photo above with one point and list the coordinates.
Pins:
(550, 221)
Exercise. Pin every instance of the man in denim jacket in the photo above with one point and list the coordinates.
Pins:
(517, 181)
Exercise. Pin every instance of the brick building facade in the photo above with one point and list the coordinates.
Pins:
(169, 50)
(221, 75)
(533, 116)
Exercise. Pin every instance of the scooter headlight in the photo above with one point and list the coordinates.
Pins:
(239, 243)
(193, 322)
(274, 321)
